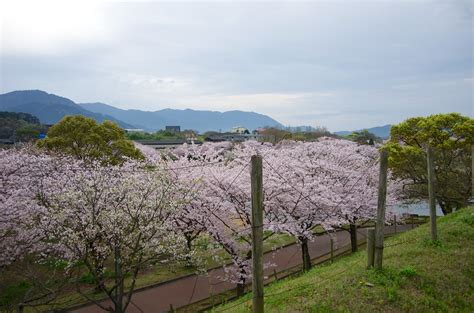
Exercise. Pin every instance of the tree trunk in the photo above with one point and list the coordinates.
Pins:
(189, 246)
(118, 280)
(445, 207)
(353, 232)
(241, 283)
(99, 270)
(305, 254)
(240, 288)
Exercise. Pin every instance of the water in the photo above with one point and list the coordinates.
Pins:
(420, 208)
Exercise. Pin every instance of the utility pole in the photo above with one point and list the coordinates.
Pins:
(431, 192)
(380, 222)
(257, 233)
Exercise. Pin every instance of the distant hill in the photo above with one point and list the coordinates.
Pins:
(379, 131)
(188, 119)
(48, 108)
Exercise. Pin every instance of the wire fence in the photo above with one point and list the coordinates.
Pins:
(319, 210)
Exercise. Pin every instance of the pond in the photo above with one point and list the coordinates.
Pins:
(420, 208)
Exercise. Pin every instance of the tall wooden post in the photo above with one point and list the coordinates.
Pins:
(380, 222)
(257, 233)
(370, 247)
(431, 193)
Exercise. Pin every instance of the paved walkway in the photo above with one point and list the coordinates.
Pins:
(187, 290)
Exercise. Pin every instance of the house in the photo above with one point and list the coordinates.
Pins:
(167, 143)
(234, 137)
(173, 129)
(134, 130)
(239, 130)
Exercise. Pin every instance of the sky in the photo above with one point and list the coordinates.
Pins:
(340, 64)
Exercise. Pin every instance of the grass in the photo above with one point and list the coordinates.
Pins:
(418, 276)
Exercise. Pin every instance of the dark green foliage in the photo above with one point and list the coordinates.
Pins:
(159, 135)
(275, 135)
(363, 137)
(31, 119)
(83, 138)
(451, 136)
(20, 127)
(11, 294)
(88, 277)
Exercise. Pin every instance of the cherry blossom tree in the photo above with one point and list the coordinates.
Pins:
(22, 171)
(89, 216)
(329, 183)
(116, 213)
(220, 174)
(303, 193)
(94, 216)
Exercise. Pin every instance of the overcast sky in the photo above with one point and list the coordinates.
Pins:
(339, 64)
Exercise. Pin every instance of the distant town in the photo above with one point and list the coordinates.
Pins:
(24, 127)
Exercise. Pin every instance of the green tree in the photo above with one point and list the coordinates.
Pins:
(29, 132)
(20, 127)
(451, 136)
(83, 138)
(363, 137)
(31, 119)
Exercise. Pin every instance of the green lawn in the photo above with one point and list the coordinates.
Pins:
(418, 276)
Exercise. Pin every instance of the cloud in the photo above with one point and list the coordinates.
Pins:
(50, 27)
(340, 64)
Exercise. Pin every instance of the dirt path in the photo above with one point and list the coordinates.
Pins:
(194, 288)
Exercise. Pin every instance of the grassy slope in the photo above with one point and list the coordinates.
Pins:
(418, 276)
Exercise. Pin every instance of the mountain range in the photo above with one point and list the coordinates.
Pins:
(50, 108)
(379, 131)
(47, 107)
(188, 119)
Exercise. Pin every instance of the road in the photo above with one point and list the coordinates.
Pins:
(190, 289)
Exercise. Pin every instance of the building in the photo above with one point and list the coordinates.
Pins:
(234, 137)
(167, 143)
(173, 129)
(134, 130)
(239, 130)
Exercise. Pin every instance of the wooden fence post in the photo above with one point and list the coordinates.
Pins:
(431, 193)
(370, 247)
(380, 222)
(257, 233)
